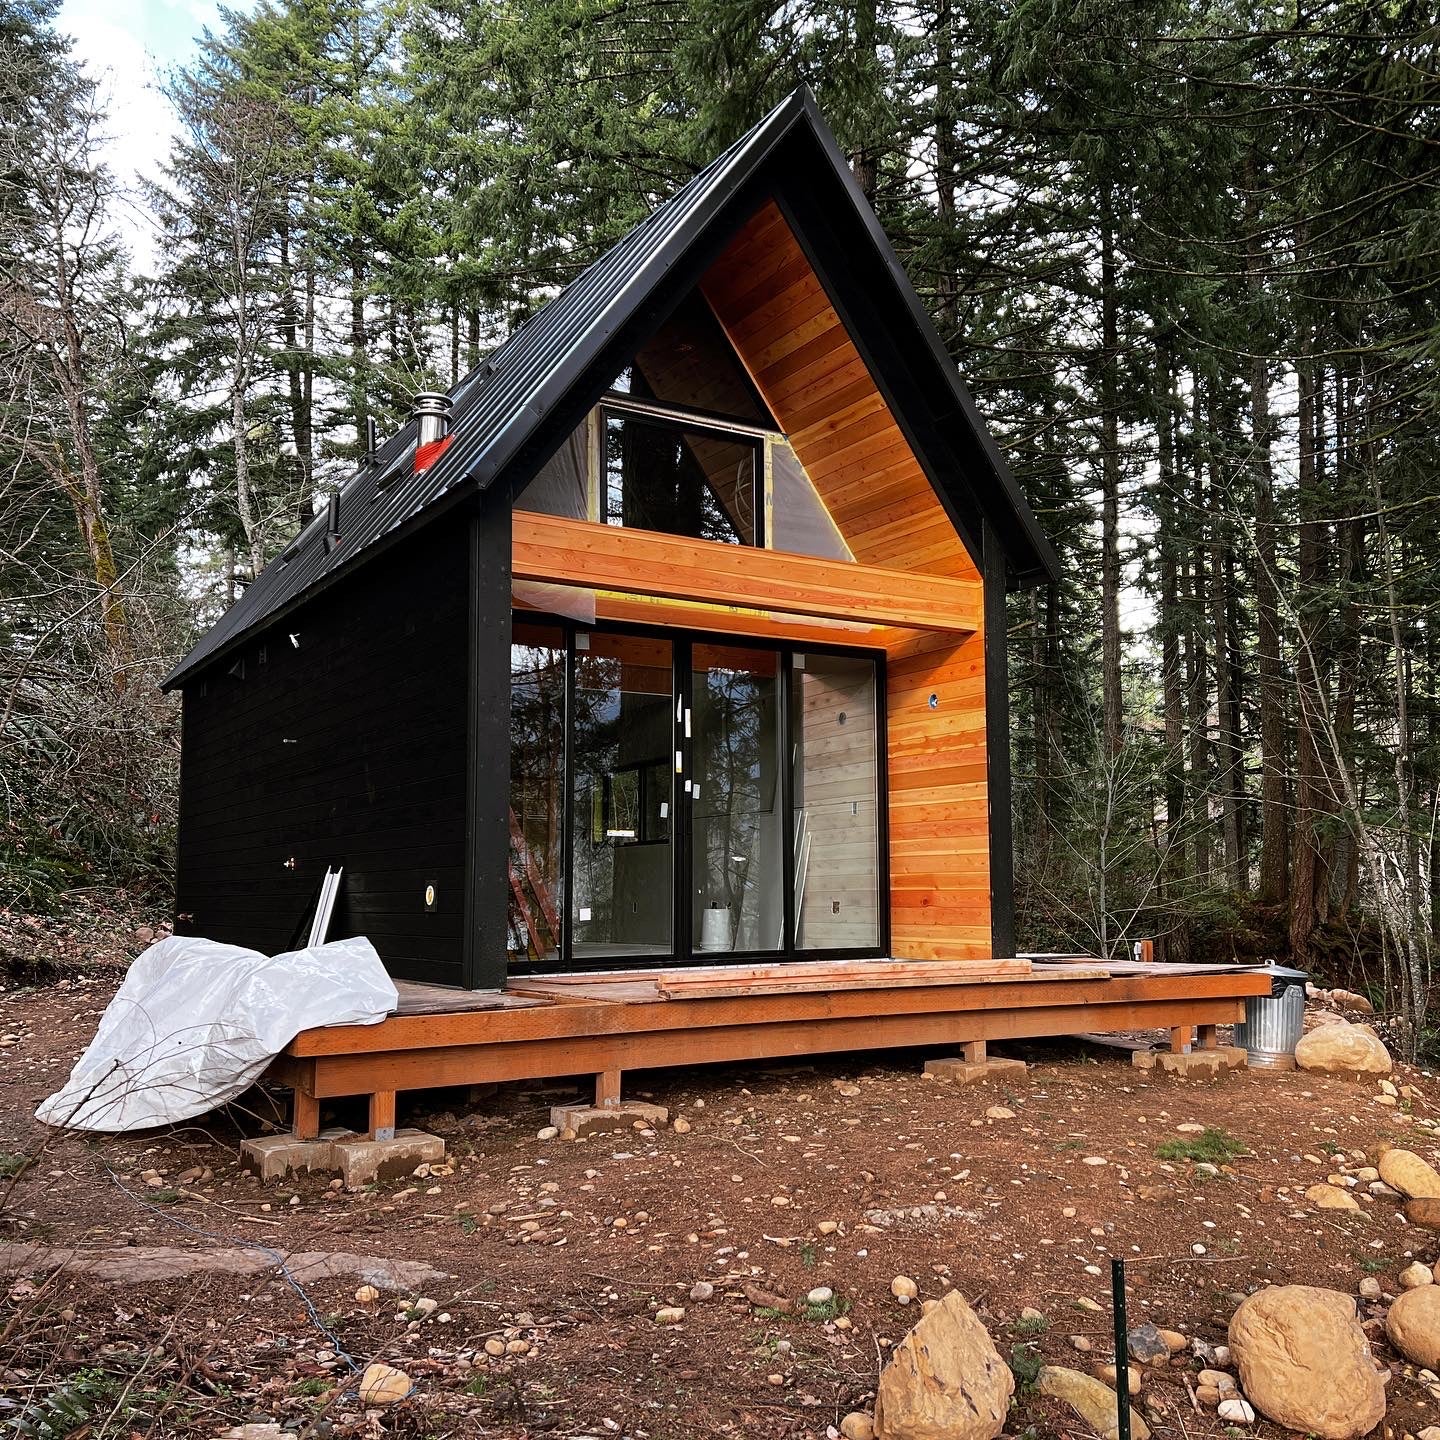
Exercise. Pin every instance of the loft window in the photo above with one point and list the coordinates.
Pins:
(679, 479)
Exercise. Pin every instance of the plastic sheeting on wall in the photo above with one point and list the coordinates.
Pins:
(799, 521)
(561, 485)
(195, 1023)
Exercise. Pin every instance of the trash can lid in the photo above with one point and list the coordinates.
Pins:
(1283, 978)
(1285, 972)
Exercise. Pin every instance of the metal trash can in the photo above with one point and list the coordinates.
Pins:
(1275, 1022)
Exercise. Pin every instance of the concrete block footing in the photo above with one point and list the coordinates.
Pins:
(976, 1072)
(577, 1120)
(359, 1161)
(1198, 1064)
(273, 1157)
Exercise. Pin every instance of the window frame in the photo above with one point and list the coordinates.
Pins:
(678, 418)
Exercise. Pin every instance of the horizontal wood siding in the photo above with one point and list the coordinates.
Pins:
(348, 750)
(939, 812)
(775, 310)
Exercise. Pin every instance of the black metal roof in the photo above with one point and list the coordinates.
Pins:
(545, 368)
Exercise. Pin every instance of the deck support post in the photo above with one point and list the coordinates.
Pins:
(304, 1115)
(1209, 1037)
(974, 1052)
(1181, 1038)
(382, 1115)
(607, 1089)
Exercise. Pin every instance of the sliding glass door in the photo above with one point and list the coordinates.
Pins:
(677, 800)
(737, 868)
(623, 763)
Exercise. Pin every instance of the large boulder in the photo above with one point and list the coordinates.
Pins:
(1095, 1403)
(1413, 1326)
(1405, 1171)
(1305, 1362)
(945, 1380)
(1341, 1048)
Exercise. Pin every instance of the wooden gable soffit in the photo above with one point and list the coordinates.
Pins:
(551, 550)
(792, 341)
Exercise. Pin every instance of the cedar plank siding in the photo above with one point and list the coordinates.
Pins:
(375, 699)
(773, 307)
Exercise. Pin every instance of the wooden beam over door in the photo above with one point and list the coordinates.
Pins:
(556, 551)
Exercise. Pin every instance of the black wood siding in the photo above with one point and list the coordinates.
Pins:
(348, 750)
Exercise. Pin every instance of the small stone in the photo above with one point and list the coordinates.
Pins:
(1370, 1288)
(820, 1295)
(1031, 1316)
(1091, 1307)
(1108, 1374)
(857, 1425)
(701, 1290)
(904, 1289)
(1237, 1411)
(775, 1379)
(495, 1346)
(828, 1227)
(669, 1315)
(1146, 1345)
(1175, 1342)
(1216, 1380)
(1414, 1275)
(1330, 1197)
(1095, 1160)
(547, 1132)
(425, 1306)
(1080, 1343)
(384, 1385)
(366, 1295)
(1000, 1112)
(681, 1125)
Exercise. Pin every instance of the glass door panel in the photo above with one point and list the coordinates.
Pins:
(623, 763)
(537, 775)
(737, 901)
(836, 820)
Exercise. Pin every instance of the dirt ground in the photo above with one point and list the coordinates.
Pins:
(843, 1173)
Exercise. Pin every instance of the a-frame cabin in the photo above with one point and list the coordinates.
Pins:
(673, 636)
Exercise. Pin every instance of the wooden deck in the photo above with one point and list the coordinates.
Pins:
(603, 1025)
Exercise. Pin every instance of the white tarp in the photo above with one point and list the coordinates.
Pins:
(195, 1023)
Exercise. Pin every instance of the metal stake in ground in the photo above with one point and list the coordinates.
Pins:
(1122, 1350)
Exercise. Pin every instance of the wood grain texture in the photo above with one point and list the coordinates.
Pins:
(773, 306)
(790, 338)
(552, 550)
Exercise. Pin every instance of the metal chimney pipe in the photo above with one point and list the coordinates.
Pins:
(431, 411)
(332, 522)
(372, 441)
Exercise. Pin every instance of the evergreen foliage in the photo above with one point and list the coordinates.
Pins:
(1183, 252)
